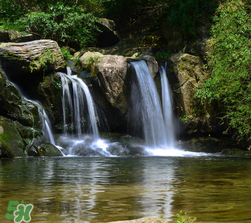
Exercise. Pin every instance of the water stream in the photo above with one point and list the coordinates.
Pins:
(98, 190)
(78, 105)
(146, 107)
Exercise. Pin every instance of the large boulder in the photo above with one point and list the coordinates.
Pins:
(20, 131)
(14, 106)
(185, 73)
(108, 85)
(9, 35)
(108, 36)
(11, 142)
(31, 57)
(109, 81)
(15, 36)
(49, 93)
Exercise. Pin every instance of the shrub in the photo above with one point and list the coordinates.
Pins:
(229, 62)
(183, 218)
(62, 23)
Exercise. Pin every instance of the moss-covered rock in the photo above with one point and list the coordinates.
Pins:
(185, 73)
(49, 93)
(47, 149)
(15, 107)
(11, 142)
(31, 57)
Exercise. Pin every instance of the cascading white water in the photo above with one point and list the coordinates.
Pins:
(74, 102)
(167, 107)
(45, 122)
(146, 107)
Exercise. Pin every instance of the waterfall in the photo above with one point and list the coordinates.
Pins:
(45, 122)
(167, 106)
(146, 107)
(46, 125)
(78, 107)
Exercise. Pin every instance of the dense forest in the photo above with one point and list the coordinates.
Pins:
(228, 57)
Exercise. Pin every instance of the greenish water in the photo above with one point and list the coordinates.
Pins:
(213, 189)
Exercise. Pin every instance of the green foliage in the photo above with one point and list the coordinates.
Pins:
(229, 61)
(62, 23)
(122, 10)
(66, 54)
(43, 62)
(14, 9)
(183, 218)
(90, 66)
(186, 14)
(160, 55)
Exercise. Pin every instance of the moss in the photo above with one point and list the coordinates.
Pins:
(11, 141)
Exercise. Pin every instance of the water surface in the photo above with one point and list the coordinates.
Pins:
(79, 189)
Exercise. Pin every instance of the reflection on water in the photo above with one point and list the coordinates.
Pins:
(78, 189)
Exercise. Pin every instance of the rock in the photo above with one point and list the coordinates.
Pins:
(190, 72)
(9, 35)
(185, 73)
(14, 106)
(143, 220)
(49, 93)
(108, 35)
(20, 132)
(111, 76)
(11, 142)
(109, 82)
(47, 149)
(150, 61)
(89, 60)
(30, 57)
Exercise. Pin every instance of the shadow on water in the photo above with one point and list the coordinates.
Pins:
(213, 189)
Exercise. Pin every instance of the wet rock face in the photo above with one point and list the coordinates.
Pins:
(19, 124)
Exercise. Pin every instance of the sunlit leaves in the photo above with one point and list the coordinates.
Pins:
(229, 61)
(62, 23)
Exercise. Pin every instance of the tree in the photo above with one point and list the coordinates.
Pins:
(229, 61)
